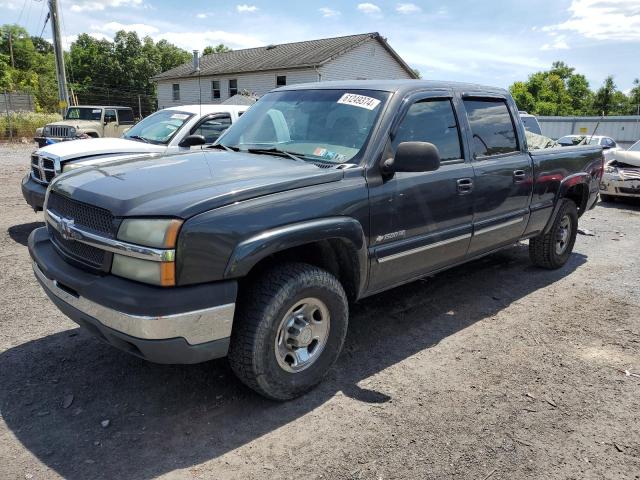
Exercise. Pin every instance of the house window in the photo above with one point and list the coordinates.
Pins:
(281, 80)
(233, 87)
(215, 89)
(176, 91)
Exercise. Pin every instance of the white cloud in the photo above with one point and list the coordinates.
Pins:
(112, 27)
(558, 43)
(91, 5)
(9, 4)
(328, 12)
(369, 8)
(408, 8)
(244, 8)
(201, 15)
(603, 20)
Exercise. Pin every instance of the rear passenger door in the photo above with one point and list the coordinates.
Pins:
(421, 221)
(503, 173)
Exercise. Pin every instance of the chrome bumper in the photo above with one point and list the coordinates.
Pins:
(195, 327)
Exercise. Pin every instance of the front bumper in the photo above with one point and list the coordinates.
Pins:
(176, 325)
(620, 187)
(33, 192)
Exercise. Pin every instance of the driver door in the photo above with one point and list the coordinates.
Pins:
(110, 124)
(422, 221)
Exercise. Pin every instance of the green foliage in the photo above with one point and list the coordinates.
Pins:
(561, 91)
(24, 124)
(221, 48)
(98, 71)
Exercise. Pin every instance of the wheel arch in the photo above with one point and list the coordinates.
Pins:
(336, 244)
(574, 187)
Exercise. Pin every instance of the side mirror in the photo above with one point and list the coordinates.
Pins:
(413, 157)
(192, 141)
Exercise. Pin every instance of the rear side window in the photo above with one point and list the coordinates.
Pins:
(212, 128)
(431, 121)
(491, 126)
(125, 116)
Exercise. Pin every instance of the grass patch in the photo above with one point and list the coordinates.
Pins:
(24, 124)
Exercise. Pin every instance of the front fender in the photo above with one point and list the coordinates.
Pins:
(249, 252)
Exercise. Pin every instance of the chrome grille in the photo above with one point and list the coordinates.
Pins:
(43, 169)
(81, 252)
(90, 217)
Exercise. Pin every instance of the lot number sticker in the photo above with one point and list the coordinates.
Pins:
(361, 101)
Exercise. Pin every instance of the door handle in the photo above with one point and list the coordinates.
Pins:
(465, 185)
(519, 175)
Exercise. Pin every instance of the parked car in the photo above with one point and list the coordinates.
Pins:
(608, 144)
(87, 122)
(319, 195)
(622, 175)
(530, 123)
(166, 132)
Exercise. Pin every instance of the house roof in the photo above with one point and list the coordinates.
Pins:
(307, 54)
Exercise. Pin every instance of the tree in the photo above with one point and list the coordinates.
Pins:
(608, 100)
(634, 98)
(221, 48)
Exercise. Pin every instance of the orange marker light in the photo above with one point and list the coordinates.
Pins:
(168, 274)
(171, 235)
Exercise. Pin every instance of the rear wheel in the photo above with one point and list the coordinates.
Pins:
(553, 249)
(289, 330)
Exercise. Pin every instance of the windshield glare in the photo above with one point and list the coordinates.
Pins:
(160, 127)
(329, 126)
(75, 113)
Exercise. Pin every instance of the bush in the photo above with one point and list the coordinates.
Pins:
(24, 124)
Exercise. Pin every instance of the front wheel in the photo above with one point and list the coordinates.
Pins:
(289, 330)
(553, 249)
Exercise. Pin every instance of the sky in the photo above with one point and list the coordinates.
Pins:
(493, 42)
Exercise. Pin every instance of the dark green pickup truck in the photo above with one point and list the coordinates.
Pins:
(318, 196)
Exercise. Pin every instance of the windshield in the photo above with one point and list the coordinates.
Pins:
(635, 147)
(594, 141)
(160, 127)
(329, 126)
(83, 113)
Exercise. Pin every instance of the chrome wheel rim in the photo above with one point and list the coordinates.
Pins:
(302, 335)
(564, 234)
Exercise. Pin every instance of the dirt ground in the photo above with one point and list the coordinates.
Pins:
(491, 370)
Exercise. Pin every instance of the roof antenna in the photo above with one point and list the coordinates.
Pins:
(196, 68)
(596, 128)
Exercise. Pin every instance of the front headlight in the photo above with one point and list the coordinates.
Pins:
(155, 233)
(72, 132)
(46, 130)
(71, 166)
(610, 169)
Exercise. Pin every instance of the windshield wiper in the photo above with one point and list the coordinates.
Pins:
(138, 137)
(224, 147)
(275, 151)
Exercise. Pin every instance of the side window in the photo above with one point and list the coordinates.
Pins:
(125, 116)
(212, 128)
(176, 91)
(109, 116)
(431, 121)
(491, 126)
(215, 89)
(281, 80)
(233, 87)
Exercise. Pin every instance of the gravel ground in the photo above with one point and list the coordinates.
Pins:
(491, 370)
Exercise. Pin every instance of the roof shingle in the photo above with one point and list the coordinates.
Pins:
(308, 54)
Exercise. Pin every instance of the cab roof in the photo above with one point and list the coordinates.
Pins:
(398, 86)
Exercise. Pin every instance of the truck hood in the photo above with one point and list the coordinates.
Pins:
(91, 147)
(629, 157)
(185, 185)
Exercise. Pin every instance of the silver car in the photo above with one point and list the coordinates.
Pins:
(622, 175)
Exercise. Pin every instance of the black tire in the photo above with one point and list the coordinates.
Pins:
(606, 198)
(262, 308)
(542, 249)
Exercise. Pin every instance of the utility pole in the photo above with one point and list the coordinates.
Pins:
(13, 63)
(63, 94)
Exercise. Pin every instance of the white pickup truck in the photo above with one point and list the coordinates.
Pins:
(166, 132)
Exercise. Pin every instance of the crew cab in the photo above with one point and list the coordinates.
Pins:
(320, 195)
(166, 132)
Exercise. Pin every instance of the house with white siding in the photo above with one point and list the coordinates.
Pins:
(216, 77)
